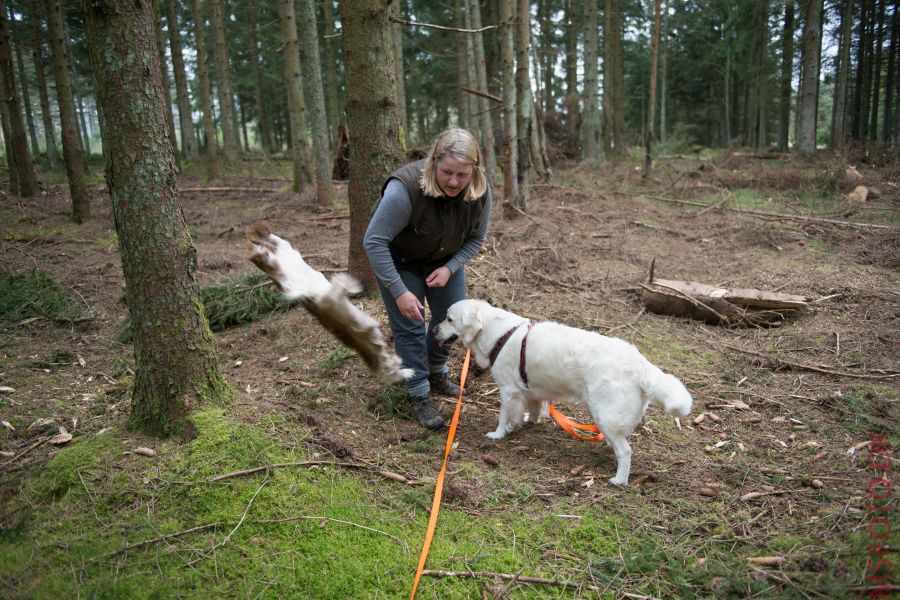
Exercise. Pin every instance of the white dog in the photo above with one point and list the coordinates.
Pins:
(608, 375)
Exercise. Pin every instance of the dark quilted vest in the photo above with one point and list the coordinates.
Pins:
(438, 227)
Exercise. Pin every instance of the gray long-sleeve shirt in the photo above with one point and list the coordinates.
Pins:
(391, 217)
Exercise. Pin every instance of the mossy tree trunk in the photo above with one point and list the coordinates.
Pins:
(176, 368)
(373, 117)
(809, 77)
(590, 111)
(68, 121)
(22, 178)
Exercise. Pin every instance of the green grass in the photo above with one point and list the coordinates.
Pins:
(35, 294)
(336, 358)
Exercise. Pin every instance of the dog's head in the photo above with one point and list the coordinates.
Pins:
(463, 322)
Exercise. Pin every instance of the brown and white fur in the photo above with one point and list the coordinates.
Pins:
(564, 364)
(326, 301)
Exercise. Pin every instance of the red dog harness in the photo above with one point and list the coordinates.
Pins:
(495, 351)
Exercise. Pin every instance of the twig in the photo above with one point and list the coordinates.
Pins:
(226, 189)
(482, 94)
(475, 574)
(326, 519)
(24, 452)
(239, 523)
(305, 463)
(151, 541)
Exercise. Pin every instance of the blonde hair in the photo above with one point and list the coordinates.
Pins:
(461, 145)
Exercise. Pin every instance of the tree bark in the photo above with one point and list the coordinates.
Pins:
(227, 117)
(265, 137)
(372, 115)
(487, 126)
(787, 74)
(22, 178)
(809, 81)
(399, 75)
(26, 101)
(651, 99)
(664, 76)
(176, 368)
(164, 74)
(573, 114)
(185, 111)
(510, 150)
(613, 80)
(209, 127)
(523, 102)
(309, 55)
(839, 120)
(876, 68)
(303, 172)
(37, 56)
(887, 129)
(81, 208)
(335, 115)
(590, 108)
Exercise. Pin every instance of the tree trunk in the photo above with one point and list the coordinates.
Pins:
(651, 97)
(510, 151)
(68, 122)
(839, 128)
(573, 9)
(37, 56)
(590, 109)
(309, 54)
(164, 74)
(265, 137)
(664, 76)
(22, 178)
(462, 71)
(487, 125)
(471, 71)
(787, 75)
(809, 81)
(547, 60)
(876, 66)
(523, 103)
(303, 172)
(887, 129)
(209, 127)
(82, 122)
(335, 115)
(185, 111)
(176, 369)
(227, 118)
(399, 74)
(372, 116)
(613, 79)
(26, 101)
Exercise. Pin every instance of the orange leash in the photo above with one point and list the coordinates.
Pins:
(439, 486)
(571, 426)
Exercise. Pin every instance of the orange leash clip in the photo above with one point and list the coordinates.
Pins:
(571, 426)
(439, 486)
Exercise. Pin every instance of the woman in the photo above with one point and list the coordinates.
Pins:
(432, 218)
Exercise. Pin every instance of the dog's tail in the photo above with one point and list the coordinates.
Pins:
(666, 391)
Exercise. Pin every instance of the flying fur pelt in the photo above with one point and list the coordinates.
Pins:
(326, 301)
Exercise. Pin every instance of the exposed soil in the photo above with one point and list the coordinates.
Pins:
(805, 392)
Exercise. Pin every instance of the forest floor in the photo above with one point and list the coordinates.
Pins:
(786, 409)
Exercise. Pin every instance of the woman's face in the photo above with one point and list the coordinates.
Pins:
(452, 176)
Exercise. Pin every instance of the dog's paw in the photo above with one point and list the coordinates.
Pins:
(618, 482)
(496, 435)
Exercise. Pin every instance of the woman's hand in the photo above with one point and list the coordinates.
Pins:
(410, 307)
(439, 277)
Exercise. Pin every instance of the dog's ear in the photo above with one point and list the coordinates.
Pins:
(471, 324)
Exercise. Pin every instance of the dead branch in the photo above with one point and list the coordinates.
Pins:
(305, 463)
(762, 213)
(227, 189)
(482, 94)
(24, 452)
(151, 541)
(327, 519)
(796, 365)
(441, 27)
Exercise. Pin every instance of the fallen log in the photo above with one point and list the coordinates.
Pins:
(720, 306)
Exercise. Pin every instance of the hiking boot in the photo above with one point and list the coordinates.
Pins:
(441, 384)
(426, 412)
